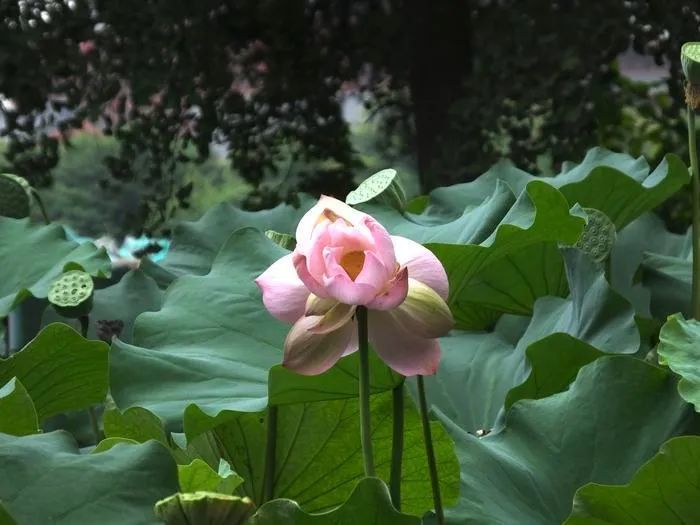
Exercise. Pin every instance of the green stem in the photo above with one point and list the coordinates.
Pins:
(693, 150)
(92, 413)
(270, 454)
(430, 452)
(365, 428)
(38, 200)
(396, 447)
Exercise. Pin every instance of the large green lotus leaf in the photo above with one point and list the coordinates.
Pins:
(61, 370)
(47, 480)
(368, 504)
(212, 343)
(474, 223)
(17, 413)
(196, 244)
(617, 184)
(679, 348)
(319, 455)
(32, 256)
(478, 369)
(134, 294)
(665, 490)
(517, 264)
(610, 421)
(339, 382)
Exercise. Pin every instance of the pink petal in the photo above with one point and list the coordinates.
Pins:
(407, 354)
(351, 238)
(374, 272)
(315, 215)
(383, 244)
(284, 295)
(343, 289)
(394, 294)
(303, 274)
(311, 354)
(320, 239)
(422, 264)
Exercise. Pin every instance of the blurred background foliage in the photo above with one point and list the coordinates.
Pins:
(131, 113)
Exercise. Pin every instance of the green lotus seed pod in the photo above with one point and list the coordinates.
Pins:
(204, 508)
(598, 236)
(690, 61)
(383, 185)
(71, 294)
(14, 196)
(284, 240)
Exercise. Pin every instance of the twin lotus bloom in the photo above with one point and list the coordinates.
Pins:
(344, 259)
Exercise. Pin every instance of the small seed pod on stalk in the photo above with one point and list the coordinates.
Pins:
(14, 196)
(71, 294)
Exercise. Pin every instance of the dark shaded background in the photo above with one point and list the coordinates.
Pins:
(451, 85)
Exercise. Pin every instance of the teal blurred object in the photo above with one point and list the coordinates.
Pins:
(128, 248)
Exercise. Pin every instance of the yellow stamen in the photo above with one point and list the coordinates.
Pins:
(352, 263)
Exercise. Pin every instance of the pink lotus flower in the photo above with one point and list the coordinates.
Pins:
(344, 258)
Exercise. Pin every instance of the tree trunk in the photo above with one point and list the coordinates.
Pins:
(440, 55)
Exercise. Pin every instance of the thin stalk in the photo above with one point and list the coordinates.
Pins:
(270, 454)
(430, 452)
(92, 413)
(693, 150)
(38, 200)
(365, 426)
(396, 447)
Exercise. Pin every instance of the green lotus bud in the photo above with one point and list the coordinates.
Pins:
(71, 294)
(14, 196)
(383, 185)
(690, 62)
(598, 235)
(204, 508)
(284, 240)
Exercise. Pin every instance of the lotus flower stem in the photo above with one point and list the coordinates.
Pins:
(693, 151)
(430, 452)
(270, 454)
(365, 428)
(84, 325)
(396, 447)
